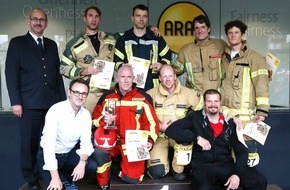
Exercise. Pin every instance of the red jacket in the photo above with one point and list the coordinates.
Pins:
(134, 110)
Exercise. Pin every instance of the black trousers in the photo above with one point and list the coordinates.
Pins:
(30, 126)
(65, 165)
(211, 176)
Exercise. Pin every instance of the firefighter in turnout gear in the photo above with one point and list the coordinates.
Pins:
(172, 101)
(141, 42)
(201, 59)
(81, 52)
(245, 89)
(134, 111)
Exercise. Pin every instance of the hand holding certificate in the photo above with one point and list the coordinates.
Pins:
(136, 141)
(104, 76)
(258, 131)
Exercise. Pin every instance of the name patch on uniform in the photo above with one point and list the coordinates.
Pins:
(158, 105)
(180, 106)
(243, 64)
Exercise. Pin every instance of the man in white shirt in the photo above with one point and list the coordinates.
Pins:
(66, 140)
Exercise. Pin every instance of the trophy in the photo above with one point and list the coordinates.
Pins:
(111, 109)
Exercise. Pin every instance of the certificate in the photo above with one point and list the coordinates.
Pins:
(136, 140)
(104, 76)
(272, 62)
(140, 69)
(257, 131)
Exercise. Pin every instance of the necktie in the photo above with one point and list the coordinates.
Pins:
(40, 44)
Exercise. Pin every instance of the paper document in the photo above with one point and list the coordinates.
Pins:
(272, 62)
(136, 140)
(258, 131)
(140, 69)
(104, 77)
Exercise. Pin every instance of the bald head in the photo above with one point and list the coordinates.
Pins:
(167, 78)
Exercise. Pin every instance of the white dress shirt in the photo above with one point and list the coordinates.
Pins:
(63, 129)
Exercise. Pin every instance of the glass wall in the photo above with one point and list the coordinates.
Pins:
(269, 29)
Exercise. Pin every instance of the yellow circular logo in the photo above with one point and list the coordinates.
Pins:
(176, 26)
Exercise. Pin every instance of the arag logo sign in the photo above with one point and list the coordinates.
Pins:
(176, 26)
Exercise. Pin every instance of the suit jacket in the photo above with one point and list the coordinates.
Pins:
(32, 77)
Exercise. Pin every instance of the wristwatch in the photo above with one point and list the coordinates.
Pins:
(83, 160)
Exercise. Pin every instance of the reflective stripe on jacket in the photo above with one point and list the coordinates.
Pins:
(79, 53)
(202, 63)
(245, 90)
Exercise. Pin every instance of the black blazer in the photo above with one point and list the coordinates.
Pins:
(33, 79)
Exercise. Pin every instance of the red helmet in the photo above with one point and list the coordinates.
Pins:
(105, 139)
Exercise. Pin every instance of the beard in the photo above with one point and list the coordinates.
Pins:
(213, 110)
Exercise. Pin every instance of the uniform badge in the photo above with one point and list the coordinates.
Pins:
(88, 59)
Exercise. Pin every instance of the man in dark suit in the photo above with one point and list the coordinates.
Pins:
(34, 84)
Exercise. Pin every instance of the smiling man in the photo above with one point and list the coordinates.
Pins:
(214, 137)
(141, 42)
(79, 56)
(34, 84)
(201, 59)
(172, 101)
(134, 111)
(66, 140)
(245, 89)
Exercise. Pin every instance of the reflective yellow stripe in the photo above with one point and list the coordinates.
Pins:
(73, 71)
(164, 51)
(262, 101)
(119, 54)
(245, 99)
(81, 47)
(154, 58)
(141, 104)
(241, 111)
(155, 82)
(190, 75)
(104, 167)
(181, 112)
(178, 66)
(129, 51)
(259, 72)
(155, 53)
(199, 106)
(221, 75)
(166, 61)
(124, 149)
(67, 61)
(117, 65)
(110, 41)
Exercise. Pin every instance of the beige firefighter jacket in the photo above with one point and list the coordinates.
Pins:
(80, 53)
(202, 62)
(245, 89)
(171, 107)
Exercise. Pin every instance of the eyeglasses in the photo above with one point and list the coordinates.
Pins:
(77, 93)
(35, 19)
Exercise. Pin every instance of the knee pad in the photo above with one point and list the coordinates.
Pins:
(156, 171)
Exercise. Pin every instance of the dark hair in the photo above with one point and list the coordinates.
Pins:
(94, 8)
(78, 80)
(202, 19)
(141, 7)
(211, 91)
(236, 23)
